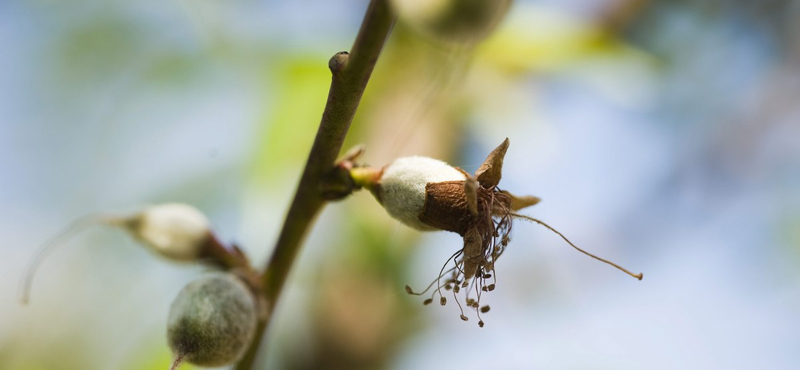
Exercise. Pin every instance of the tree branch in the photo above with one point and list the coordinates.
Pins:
(351, 73)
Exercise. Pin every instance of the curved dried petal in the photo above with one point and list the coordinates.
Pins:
(471, 191)
(491, 170)
(473, 243)
(525, 201)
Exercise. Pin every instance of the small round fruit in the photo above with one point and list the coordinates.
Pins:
(212, 320)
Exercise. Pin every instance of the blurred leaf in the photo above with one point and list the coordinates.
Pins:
(289, 126)
(541, 40)
(172, 69)
(98, 48)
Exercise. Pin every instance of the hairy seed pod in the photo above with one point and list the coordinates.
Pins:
(212, 320)
(174, 230)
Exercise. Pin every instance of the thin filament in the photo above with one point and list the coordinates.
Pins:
(59, 239)
(442, 272)
(432, 282)
(637, 276)
(438, 278)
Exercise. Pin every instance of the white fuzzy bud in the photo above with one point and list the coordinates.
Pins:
(173, 230)
(402, 187)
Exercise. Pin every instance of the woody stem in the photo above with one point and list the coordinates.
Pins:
(351, 72)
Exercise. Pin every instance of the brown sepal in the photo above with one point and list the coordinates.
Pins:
(524, 201)
(471, 186)
(473, 252)
(491, 170)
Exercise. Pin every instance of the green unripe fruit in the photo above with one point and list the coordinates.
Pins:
(212, 320)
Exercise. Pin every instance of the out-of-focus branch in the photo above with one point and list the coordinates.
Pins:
(351, 72)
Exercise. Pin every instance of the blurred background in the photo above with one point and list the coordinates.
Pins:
(662, 135)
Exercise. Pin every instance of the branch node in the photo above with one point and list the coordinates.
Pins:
(338, 62)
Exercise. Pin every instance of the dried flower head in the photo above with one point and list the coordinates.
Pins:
(428, 194)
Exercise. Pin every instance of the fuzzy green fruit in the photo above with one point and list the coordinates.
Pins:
(212, 320)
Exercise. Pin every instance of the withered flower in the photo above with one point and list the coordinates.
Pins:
(428, 194)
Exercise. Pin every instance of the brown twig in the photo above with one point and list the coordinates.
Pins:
(351, 72)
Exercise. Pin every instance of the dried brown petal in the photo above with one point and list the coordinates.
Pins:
(473, 243)
(491, 170)
(518, 203)
(471, 191)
